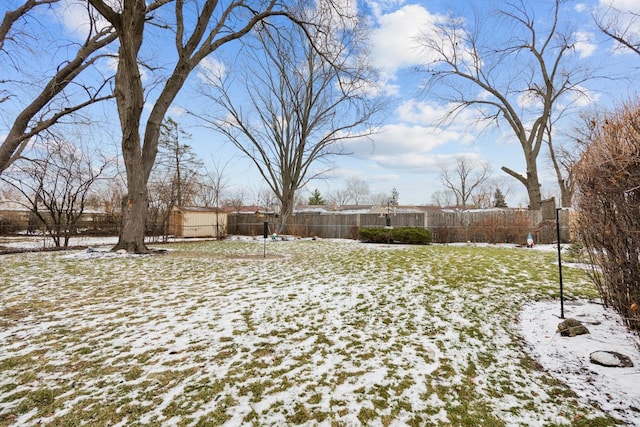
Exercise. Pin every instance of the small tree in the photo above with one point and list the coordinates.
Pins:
(316, 198)
(357, 190)
(393, 200)
(608, 181)
(56, 180)
(498, 199)
(338, 197)
(443, 198)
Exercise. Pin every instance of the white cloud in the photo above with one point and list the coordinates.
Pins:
(580, 97)
(584, 44)
(419, 112)
(580, 7)
(211, 70)
(404, 147)
(176, 111)
(463, 126)
(394, 43)
(74, 16)
(623, 5)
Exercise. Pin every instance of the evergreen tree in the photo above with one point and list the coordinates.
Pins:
(498, 199)
(393, 201)
(316, 198)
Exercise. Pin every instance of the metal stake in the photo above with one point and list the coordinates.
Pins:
(559, 263)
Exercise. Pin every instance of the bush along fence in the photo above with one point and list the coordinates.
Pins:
(405, 235)
(445, 226)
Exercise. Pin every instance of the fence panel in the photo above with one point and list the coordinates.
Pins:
(493, 226)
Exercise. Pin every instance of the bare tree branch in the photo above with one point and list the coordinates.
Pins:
(26, 123)
(468, 176)
(618, 25)
(11, 16)
(300, 112)
(470, 71)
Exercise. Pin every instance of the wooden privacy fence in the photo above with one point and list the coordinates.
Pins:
(447, 226)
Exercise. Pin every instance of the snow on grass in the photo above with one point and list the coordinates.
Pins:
(567, 358)
(315, 333)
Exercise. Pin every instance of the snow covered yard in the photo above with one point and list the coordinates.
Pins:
(333, 333)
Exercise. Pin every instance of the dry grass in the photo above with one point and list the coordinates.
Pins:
(324, 333)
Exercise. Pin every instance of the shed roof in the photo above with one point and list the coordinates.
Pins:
(199, 209)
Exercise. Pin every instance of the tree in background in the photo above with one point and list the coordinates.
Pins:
(42, 97)
(56, 179)
(266, 198)
(197, 29)
(302, 105)
(499, 199)
(468, 176)
(338, 197)
(316, 198)
(608, 200)
(213, 184)
(174, 180)
(519, 77)
(443, 198)
(393, 199)
(357, 190)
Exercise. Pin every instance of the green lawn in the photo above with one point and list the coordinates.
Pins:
(331, 333)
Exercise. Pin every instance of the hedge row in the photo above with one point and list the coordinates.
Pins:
(406, 235)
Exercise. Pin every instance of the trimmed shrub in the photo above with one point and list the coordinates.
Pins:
(405, 235)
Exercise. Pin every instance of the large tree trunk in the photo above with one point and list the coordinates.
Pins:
(286, 210)
(533, 188)
(129, 95)
(134, 214)
(531, 183)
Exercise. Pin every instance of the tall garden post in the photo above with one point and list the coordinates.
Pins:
(559, 262)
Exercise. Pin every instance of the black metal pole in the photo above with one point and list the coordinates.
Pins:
(265, 234)
(559, 263)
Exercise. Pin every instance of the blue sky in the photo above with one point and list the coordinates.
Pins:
(411, 148)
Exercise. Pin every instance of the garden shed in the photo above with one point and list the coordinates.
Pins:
(194, 221)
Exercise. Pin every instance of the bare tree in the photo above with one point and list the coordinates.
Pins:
(443, 198)
(621, 25)
(467, 178)
(199, 29)
(174, 179)
(518, 79)
(55, 96)
(56, 180)
(357, 190)
(338, 197)
(214, 183)
(303, 104)
(378, 199)
(266, 198)
(236, 200)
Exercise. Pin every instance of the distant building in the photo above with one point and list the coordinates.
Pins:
(193, 221)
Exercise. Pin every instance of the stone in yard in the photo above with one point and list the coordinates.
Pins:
(610, 358)
(571, 328)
